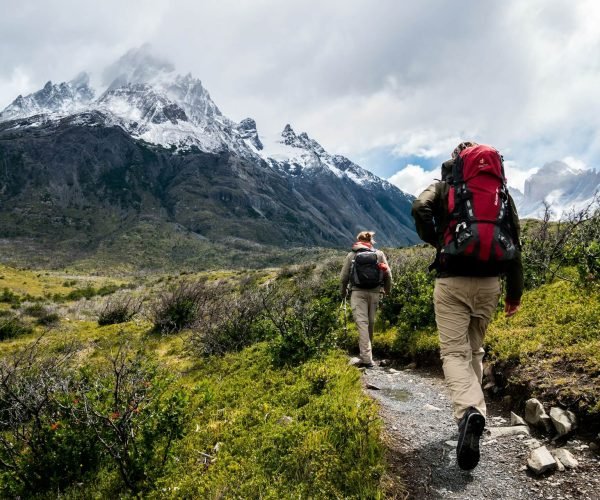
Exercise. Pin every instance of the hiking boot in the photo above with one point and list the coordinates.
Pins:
(365, 365)
(470, 429)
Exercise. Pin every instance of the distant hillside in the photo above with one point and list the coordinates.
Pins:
(154, 150)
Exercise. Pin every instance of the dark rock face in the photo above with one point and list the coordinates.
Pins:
(78, 180)
(247, 130)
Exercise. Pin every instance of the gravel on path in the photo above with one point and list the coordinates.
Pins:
(421, 435)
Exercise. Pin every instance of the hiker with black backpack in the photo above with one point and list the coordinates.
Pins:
(471, 219)
(365, 276)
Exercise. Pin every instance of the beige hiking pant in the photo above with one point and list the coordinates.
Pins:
(364, 305)
(463, 309)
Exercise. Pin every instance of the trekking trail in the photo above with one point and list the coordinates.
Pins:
(421, 434)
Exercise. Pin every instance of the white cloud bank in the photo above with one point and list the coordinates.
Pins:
(413, 179)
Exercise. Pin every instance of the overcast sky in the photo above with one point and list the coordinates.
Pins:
(392, 84)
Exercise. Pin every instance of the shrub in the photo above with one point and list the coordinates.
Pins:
(12, 326)
(548, 247)
(60, 423)
(43, 445)
(410, 303)
(50, 319)
(9, 297)
(135, 416)
(119, 310)
(229, 320)
(305, 324)
(179, 307)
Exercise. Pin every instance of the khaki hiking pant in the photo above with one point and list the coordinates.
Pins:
(463, 309)
(364, 306)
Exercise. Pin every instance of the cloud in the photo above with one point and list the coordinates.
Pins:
(414, 88)
(516, 177)
(413, 179)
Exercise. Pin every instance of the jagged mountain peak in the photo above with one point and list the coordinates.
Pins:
(65, 97)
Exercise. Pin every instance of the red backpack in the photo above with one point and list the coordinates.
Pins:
(478, 231)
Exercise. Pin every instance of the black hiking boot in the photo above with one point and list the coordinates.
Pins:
(470, 429)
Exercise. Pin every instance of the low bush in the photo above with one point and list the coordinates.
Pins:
(12, 326)
(305, 319)
(230, 320)
(180, 307)
(49, 319)
(119, 309)
(60, 423)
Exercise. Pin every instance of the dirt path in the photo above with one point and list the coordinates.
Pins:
(418, 424)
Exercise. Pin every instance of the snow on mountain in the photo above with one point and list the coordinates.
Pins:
(63, 98)
(564, 187)
(147, 98)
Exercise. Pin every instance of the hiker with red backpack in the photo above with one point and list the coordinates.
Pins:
(365, 275)
(471, 219)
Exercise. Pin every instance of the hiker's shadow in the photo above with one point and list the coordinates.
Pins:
(432, 470)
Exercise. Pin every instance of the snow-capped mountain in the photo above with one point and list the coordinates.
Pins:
(148, 99)
(563, 187)
(56, 99)
(151, 145)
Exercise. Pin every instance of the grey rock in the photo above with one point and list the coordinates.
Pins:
(541, 460)
(516, 420)
(451, 444)
(372, 387)
(534, 411)
(559, 466)
(286, 420)
(566, 458)
(431, 407)
(496, 432)
(532, 443)
(354, 361)
(564, 421)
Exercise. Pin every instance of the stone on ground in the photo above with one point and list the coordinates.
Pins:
(496, 432)
(566, 458)
(564, 421)
(354, 361)
(541, 460)
(516, 420)
(559, 466)
(534, 411)
(532, 443)
(431, 407)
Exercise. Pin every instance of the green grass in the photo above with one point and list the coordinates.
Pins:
(554, 343)
(304, 431)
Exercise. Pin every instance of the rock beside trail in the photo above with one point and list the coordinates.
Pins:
(536, 415)
(516, 420)
(564, 421)
(541, 460)
(566, 458)
(532, 443)
(496, 432)
(354, 361)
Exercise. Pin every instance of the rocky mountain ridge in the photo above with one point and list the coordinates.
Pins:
(154, 146)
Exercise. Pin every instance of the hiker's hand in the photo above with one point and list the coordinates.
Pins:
(510, 309)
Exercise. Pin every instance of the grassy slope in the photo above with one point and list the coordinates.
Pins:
(329, 448)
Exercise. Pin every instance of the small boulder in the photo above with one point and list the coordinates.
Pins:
(451, 444)
(516, 420)
(285, 420)
(429, 407)
(559, 466)
(564, 421)
(496, 432)
(541, 460)
(566, 458)
(372, 387)
(534, 411)
(354, 361)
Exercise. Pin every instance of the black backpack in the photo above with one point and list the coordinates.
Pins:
(365, 272)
